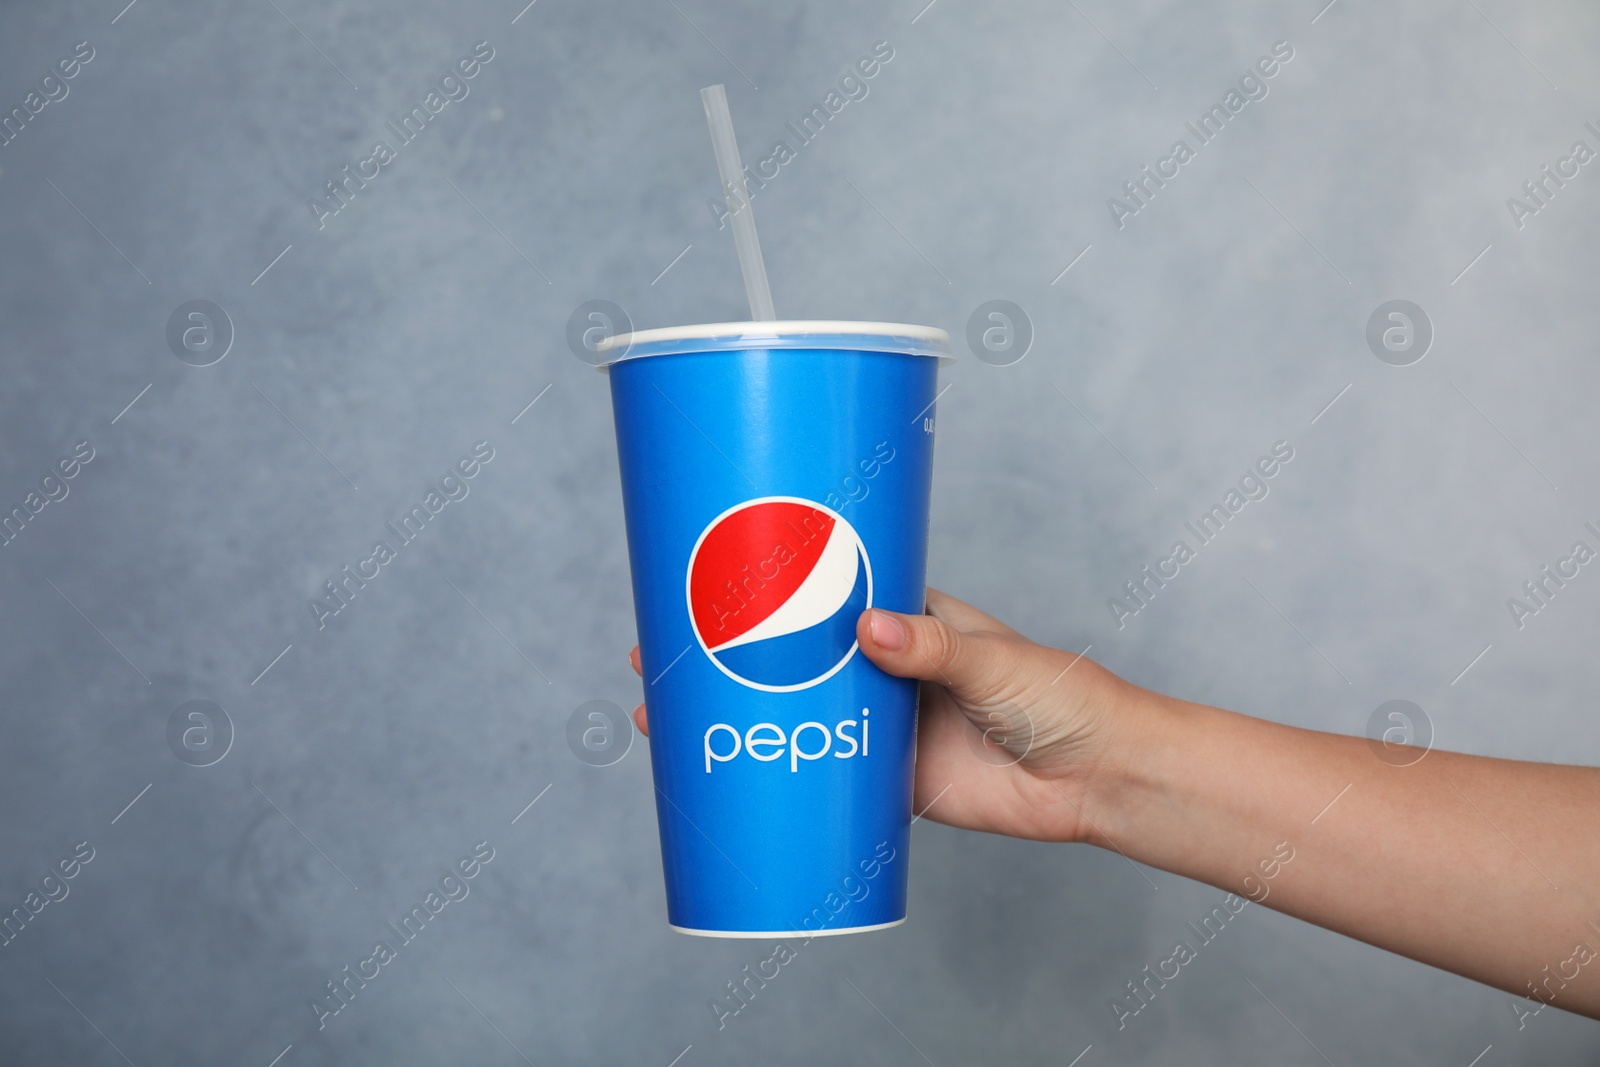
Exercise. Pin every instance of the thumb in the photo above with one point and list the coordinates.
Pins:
(974, 665)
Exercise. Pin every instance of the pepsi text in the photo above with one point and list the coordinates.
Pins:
(766, 742)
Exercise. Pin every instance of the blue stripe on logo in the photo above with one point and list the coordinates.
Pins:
(797, 658)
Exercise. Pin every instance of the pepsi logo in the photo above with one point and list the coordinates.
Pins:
(775, 587)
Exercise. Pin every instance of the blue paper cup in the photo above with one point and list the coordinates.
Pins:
(775, 482)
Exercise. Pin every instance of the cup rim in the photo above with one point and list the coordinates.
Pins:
(891, 337)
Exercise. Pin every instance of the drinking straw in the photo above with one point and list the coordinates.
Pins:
(740, 213)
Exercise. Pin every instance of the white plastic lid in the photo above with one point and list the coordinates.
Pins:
(893, 337)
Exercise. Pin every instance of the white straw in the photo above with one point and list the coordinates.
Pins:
(740, 214)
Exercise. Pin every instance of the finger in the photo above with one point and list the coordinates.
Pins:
(633, 661)
(976, 666)
(963, 616)
(943, 755)
(953, 784)
(641, 721)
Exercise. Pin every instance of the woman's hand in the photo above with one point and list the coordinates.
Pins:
(1015, 738)
(1011, 734)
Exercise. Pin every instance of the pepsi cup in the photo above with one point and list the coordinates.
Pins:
(775, 481)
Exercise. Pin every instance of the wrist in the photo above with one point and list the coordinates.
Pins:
(1140, 746)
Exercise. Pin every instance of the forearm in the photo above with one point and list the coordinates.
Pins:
(1484, 867)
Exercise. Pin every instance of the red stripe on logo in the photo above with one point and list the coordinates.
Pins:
(750, 563)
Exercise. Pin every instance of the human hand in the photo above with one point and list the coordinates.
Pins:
(1011, 734)
(1075, 753)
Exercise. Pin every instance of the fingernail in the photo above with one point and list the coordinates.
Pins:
(887, 631)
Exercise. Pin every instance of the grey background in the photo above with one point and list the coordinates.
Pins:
(1221, 319)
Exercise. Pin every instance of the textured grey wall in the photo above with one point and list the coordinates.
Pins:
(1222, 317)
